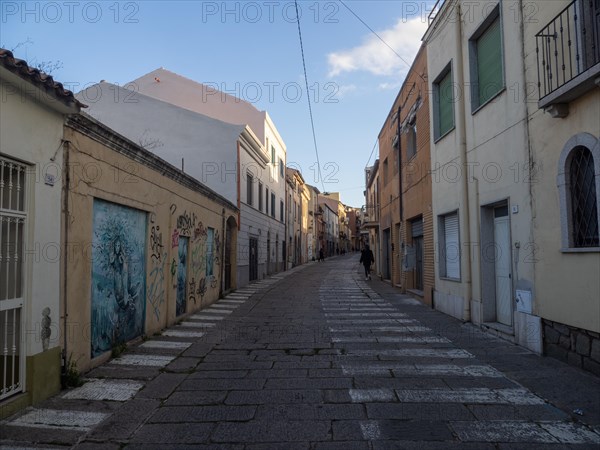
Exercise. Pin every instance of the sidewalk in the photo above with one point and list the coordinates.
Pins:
(315, 358)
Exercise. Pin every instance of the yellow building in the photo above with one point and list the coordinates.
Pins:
(562, 66)
(146, 244)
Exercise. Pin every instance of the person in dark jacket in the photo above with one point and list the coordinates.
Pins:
(367, 259)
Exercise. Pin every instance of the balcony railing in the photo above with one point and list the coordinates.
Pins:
(568, 46)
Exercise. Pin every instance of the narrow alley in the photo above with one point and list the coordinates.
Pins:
(319, 358)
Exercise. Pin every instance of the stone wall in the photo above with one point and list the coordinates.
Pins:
(575, 346)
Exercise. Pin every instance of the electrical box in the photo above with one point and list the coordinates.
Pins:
(524, 303)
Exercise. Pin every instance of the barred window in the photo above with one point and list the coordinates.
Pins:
(584, 206)
(12, 226)
(578, 190)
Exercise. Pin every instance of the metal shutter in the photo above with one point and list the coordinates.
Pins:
(452, 246)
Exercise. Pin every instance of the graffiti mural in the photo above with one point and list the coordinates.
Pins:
(186, 223)
(210, 241)
(118, 275)
(182, 251)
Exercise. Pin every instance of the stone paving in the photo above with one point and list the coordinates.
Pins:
(318, 358)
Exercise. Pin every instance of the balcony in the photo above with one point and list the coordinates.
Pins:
(568, 56)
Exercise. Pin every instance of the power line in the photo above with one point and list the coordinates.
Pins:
(312, 122)
(378, 37)
(374, 146)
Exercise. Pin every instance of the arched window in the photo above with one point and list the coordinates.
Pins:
(584, 205)
(579, 186)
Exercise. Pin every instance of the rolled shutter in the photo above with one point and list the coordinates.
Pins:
(452, 246)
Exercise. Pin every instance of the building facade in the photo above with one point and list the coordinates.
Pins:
(563, 110)
(479, 144)
(207, 100)
(146, 244)
(34, 108)
(227, 158)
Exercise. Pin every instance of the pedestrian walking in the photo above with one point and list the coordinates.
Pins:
(321, 255)
(367, 259)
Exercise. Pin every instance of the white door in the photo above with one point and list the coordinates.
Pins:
(503, 267)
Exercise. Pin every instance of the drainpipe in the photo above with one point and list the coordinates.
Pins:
(67, 184)
(400, 199)
(223, 237)
(462, 142)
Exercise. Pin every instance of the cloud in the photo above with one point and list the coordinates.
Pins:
(375, 57)
(344, 90)
(390, 86)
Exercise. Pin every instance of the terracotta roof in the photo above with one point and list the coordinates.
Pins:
(38, 78)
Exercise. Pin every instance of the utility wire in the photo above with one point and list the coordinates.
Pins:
(379, 37)
(374, 146)
(312, 122)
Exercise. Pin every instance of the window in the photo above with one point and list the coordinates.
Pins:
(249, 188)
(584, 204)
(281, 210)
(411, 145)
(13, 216)
(578, 187)
(443, 104)
(281, 168)
(210, 239)
(449, 246)
(273, 161)
(273, 206)
(487, 71)
(385, 171)
(260, 196)
(267, 200)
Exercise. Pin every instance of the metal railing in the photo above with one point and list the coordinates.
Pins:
(434, 11)
(12, 235)
(567, 46)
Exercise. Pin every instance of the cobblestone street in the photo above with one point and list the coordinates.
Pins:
(319, 358)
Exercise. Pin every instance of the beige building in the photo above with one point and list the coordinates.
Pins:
(371, 215)
(32, 113)
(146, 244)
(563, 110)
(298, 196)
(315, 224)
(481, 197)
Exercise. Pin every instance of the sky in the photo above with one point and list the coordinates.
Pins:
(250, 49)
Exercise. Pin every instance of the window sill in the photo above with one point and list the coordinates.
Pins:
(580, 250)
(491, 100)
(456, 280)
(436, 140)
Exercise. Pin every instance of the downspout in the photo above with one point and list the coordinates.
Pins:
(239, 224)
(400, 199)
(462, 142)
(285, 224)
(67, 187)
(223, 237)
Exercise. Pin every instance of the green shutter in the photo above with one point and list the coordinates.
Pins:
(446, 102)
(489, 63)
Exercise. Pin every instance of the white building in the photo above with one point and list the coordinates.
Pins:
(480, 159)
(172, 88)
(32, 115)
(227, 158)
